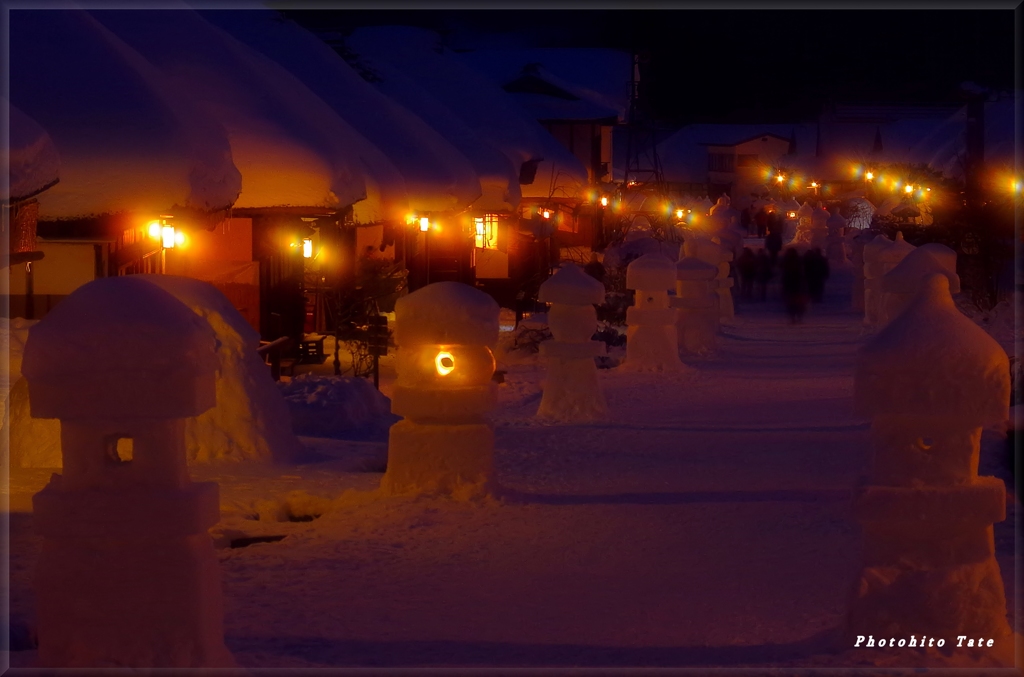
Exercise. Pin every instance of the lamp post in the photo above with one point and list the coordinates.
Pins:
(425, 229)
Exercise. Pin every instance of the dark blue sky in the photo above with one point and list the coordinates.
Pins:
(746, 65)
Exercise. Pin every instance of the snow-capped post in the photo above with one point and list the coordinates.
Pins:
(880, 256)
(571, 390)
(901, 284)
(857, 248)
(929, 382)
(696, 302)
(444, 445)
(127, 576)
(651, 343)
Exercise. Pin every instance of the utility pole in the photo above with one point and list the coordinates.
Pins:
(642, 162)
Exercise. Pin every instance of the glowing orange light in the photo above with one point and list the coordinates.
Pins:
(424, 224)
(179, 238)
(814, 184)
(444, 362)
(869, 176)
(154, 230)
(780, 178)
(679, 213)
(307, 248)
(167, 237)
(604, 202)
(908, 189)
(546, 214)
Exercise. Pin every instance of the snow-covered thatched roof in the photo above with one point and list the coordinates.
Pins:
(126, 142)
(293, 150)
(437, 175)
(479, 103)
(31, 156)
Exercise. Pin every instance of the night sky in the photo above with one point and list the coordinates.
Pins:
(744, 65)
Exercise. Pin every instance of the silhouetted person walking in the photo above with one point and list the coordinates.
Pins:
(773, 243)
(746, 266)
(816, 272)
(762, 273)
(793, 293)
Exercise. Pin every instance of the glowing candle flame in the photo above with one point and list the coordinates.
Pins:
(604, 202)
(444, 363)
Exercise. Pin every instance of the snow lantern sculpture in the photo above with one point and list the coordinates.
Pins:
(858, 243)
(651, 343)
(901, 284)
(881, 255)
(127, 576)
(712, 252)
(835, 243)
(929, 382)
(703, 206)
(571, 391)
(696, 303)
(444, 445)
(803, 216)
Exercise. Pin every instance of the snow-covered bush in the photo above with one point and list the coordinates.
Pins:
(337, 407)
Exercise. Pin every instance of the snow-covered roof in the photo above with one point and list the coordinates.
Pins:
(832, 148)
(438, 176)
(293, 150)
(33, 160)
(597, 78)
(126, 142)
(481, 105)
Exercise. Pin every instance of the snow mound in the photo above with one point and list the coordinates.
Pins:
(446, 313)
(250, 421)
(336, 407)
(571, 286)
(933, 361)
(34, 442)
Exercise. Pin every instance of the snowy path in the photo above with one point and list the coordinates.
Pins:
(706, 523)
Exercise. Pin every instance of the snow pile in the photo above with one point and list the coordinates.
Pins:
(336, 407)
(34, 442)
(33, 160)
(999, 322)
(126, 141)
(250, 421)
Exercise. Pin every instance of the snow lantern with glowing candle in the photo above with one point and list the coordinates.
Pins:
(651, 339)
(127, 575)
(444, 445)
(571, 390)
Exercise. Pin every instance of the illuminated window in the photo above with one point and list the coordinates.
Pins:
(486, 231)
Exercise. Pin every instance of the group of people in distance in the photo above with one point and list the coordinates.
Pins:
(802, 277)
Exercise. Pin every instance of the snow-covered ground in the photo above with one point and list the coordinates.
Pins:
(705, 523)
